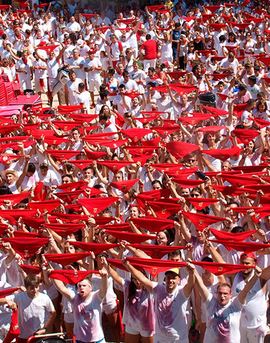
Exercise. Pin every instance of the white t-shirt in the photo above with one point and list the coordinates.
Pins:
(87, 318)
(222, 322)
(32, 312)
(171, 318)
(139, 312)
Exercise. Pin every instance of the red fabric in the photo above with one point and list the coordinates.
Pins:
(245, 135)
(187, 183)
(181, 149)
(71, 277)
(39, 192)
(26, 247)
(136, 134)
(71, 217)
(14, 330)
(94, 154)
(164, 209)
(217, 26)
(71, 227)
(69, 108)
(26, 234)
(29, 269)
(96, 248)
(46, 205)
(88, 15)
(214, 111)
(66, 259)
(222, 268)
(212, 8)
(117, 263)
(165, 167)
(214, 129)
(14, 198)
(155, 266)
(182, 88)
(120, 227)
(34, 222)
(114, 165)
(223, 154)
(18, 213)
(157, 251)
(63, 154)
(68, 197)
(73, 185)
(239, 180)
(96, 205)
(124, 186)
(200, 203)
(48, 48)
(8, 291)
(202, 221)
(237, 237)
(153, 224)
(130, 237)
(242, 246)
(150, 48)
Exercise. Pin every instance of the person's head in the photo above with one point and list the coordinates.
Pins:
(75, 133)
(31, 283)
(163, 238)
(72, 75)
(134, 212)
(66, 179)
(88, 172)
(31, 169)
(224, 294)
(248, 259)
(175, 256)
(44, 168)
(11, 176)
(242, 90)
(156, 184)
(252, 80)
(148, 36)
(261, 106)
(172, 279)
(81, 87)
(126, 75)
(84, 288)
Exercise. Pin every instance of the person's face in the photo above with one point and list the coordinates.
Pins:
(226, 166)
(75, 135)
(66, 180)
(32, 291)
(10, 178)
(118, 177)
(84, 288)
(88, 173)
(162, 239)
(224, 295)
(185, 192)
(195, 194)
(157, 186)
(172, 281)
(176, 258)
(72, 77)
(69, 249)
(134, 212)
(43, 171)
(247, 261)
(76, 54)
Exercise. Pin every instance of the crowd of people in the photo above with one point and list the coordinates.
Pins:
(134, 198)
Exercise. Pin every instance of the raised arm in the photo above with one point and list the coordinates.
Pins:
(149, 285)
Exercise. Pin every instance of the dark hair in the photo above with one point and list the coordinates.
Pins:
(224, 284)
(32, 281)
(31, 168)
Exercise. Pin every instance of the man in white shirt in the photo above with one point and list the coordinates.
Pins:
(72, 87)
(93, 68)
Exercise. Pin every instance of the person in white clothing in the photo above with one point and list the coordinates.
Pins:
(171, 302)
(253, 325)
(36, 310)
(72, 87)
(87, 308)
(93, 68)
(224, 311)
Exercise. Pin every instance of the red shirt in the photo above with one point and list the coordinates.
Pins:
(150, 47)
